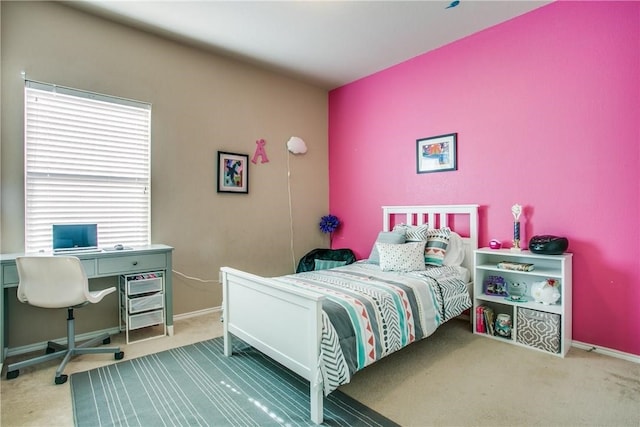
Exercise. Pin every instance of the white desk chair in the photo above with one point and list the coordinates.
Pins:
(59, 282)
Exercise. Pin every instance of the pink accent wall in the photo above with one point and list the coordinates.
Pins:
(547, 111)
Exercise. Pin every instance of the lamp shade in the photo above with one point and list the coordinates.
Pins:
(296, 145)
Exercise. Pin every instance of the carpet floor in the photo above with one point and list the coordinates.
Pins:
(198, 385)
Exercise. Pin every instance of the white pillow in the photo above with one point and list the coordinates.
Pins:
(455, 250)
(384, 237)
(401, 257)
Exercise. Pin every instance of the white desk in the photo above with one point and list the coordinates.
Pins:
(99, 264)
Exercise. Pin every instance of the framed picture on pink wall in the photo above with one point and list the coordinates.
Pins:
(233, 173)
(437, 153)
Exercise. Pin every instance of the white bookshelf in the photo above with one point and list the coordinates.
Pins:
(550, 317)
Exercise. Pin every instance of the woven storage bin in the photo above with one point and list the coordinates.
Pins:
(538, 329)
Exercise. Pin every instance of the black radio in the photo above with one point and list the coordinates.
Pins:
(548, 245)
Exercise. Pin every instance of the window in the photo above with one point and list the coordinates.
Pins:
(87, 160)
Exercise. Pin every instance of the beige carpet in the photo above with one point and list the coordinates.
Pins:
(453, 378)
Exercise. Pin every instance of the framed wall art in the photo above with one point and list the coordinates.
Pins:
(437, 153)
(233, 173)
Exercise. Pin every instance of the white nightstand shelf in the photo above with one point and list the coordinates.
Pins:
(534, 325)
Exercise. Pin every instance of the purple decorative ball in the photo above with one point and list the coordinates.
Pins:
(329, 223)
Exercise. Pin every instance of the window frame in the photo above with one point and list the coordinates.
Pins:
(87, 159)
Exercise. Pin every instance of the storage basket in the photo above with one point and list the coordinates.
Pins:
(138, 284)
(538, 329)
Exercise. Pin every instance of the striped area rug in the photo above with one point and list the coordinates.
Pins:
(196, 385)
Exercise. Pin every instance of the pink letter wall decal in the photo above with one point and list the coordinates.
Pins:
(260, 152)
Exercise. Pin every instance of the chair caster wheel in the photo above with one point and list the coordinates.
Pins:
(61, 379)
(119, 355)
(106, 341)
(13, 374)
(50, 350)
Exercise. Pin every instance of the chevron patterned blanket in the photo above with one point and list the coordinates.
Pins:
(369, 313)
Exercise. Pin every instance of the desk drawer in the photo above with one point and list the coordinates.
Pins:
(123, 264)
(10, 272)
(9, 275)
(89, 266)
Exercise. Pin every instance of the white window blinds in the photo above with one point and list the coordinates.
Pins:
(87, 160)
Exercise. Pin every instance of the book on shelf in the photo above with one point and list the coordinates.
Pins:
(480, 326)
(517, 266)
(485, 319)
(489, 320)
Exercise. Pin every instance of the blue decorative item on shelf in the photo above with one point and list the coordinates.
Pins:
(503, 325)
(517, 291)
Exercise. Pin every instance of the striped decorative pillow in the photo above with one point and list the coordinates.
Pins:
(436, 247)
(325, 264)
(413, 233)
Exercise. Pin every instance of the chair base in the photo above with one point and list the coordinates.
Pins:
(55, 350)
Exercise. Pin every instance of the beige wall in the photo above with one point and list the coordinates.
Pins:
(202, 103)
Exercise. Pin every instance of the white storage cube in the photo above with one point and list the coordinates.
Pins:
(539, 329)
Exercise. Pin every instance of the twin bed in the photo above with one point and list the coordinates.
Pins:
(326, 325)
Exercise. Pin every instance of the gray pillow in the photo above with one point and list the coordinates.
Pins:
(385, 237)
(413, 233)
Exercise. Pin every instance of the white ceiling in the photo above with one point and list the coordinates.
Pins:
(328, 43)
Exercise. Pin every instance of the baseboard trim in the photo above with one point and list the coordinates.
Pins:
(62, 341)
(196, 313)
(115, 330)
(466, 317)
(606, 351)
(14, 351)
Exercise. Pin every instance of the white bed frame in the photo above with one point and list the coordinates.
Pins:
(285, 323)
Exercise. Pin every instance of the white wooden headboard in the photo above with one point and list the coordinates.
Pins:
(462, 219)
